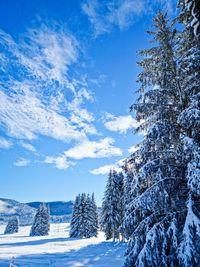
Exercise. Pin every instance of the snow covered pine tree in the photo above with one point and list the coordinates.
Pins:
(84, 221)
(94, 215)
(162, 215)
(41, 223)
(74, 225)
(193, 8)
(106, 214)
(112, 213)
(12, 226)
(130, 170)
(189, 120)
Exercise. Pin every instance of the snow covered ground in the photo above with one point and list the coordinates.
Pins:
(58, 249)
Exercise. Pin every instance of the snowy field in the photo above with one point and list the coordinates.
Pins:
(58, 249)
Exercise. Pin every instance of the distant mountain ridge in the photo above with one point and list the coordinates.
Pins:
(10, 207)
(60, 211)
(57, 208)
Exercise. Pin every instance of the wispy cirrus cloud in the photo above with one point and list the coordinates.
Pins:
(81, 117)
(21, 162)
(35, 72)
(119, 124)
(93, 9)
(103, 148)
(26, 117)
(45, 53)
(124, 13)
(105, 15)
(4, 143)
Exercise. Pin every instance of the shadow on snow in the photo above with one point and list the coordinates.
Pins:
(105, 254)
(37, 242)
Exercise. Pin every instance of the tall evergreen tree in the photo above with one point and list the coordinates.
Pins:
(83, 217)
(189, 120)
(129, 169)
(159, 189)
(12, 226)
(41, 223)
(121, 202)
(192, 8)
(128, 180)
(95, 221)
(112, 214)
(106, 215)
(74, 225)
(84, 221)
(163, 217)
(189, 247)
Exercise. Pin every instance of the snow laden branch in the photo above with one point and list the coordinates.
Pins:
(162, 178)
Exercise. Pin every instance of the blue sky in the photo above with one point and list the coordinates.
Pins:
(67, 79)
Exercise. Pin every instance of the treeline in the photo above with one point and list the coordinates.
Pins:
(84, 221)
(161, 187)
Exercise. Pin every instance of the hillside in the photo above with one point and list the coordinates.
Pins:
(10, 207)
(60, 211)
(57, 208)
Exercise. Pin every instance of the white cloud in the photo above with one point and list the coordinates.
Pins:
(35, 75)
(104, 15)
(25, 116)
(28, 147)
(91, 9)
(81, 117)
(124, 14)
(45, 52)
(21, 162)
(106, 168)
(120, 124)
(60, 162)
(94, 149)
(6, 144)
(87, 149)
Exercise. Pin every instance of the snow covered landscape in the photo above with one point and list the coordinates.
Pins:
(57, 249)
(100, 133)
